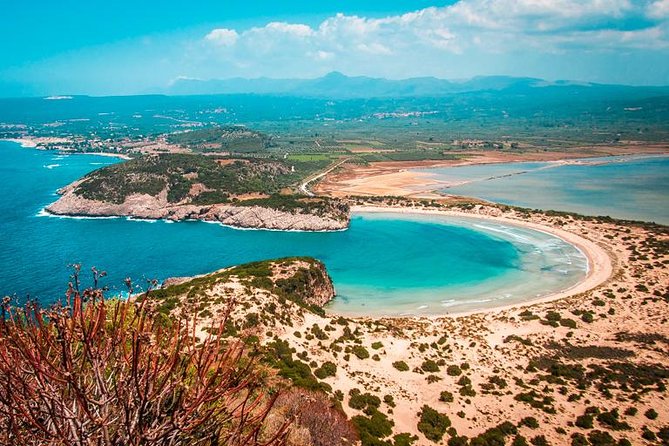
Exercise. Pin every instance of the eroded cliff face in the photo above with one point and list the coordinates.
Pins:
(157, 207)
(307, 281)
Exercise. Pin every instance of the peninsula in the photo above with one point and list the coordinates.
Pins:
(245, 193)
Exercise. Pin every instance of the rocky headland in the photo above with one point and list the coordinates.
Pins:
(239, 193)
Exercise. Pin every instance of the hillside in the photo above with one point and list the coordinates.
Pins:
(238, 192)
(589, 369)
(336, 85)
(232, 139)
(195, 387)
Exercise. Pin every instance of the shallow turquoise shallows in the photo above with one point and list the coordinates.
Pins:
(627, 187)
(385, 264)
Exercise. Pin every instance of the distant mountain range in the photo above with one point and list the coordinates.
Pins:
(336, 85)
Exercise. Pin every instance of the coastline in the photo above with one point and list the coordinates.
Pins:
(105, 154)
(44, 212)
(600, 264)
(25, 143)
(34, 143)
(409, 179)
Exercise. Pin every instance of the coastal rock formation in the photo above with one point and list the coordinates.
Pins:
(275, 291)
(245, 193)
(332, 217)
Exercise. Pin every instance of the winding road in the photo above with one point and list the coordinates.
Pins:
(310, 179)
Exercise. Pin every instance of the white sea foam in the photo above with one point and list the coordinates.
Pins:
(144, 220)
(506, 231)
(44, 213)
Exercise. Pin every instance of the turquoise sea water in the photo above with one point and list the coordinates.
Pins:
(635, 187)
(384, 264)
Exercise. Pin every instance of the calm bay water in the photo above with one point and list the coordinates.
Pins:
(635, 188)
(384, 264)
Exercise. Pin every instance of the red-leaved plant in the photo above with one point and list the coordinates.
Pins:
(112, 372)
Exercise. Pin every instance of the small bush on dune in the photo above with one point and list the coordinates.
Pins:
(433, 424)
(401, 366)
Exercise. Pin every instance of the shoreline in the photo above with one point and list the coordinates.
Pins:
(34, 143)
(600, 265)
(411, 179)
(44, 212)
(104, 154)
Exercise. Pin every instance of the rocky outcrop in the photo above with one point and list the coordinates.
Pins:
(157, 207)
(306, 280)
(258, 296)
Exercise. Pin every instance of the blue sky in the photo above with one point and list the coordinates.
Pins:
(130, 47)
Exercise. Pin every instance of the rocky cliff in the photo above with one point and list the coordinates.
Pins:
(332, 216)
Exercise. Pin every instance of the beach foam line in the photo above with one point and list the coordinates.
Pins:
(44, 213)
(239, 228)
(143, 220)
(506, 231)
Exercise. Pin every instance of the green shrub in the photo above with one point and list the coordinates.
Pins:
(401, 366)
(631, 411)
(599, 438)
(453, 370)
(373, 428)
(651, 414)
(569, 323)
(429, 366)
(648, 434)
(578, 439)
(553, 316)
(446, 396)
(584, 421)
(611, 419)
(587, 317)
(404, 439)
(327, 369)
(539, 440)
(363, 401)
(433, 424)
(360, 351)
(530, 422)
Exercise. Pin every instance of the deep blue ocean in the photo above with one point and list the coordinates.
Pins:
(384, 264)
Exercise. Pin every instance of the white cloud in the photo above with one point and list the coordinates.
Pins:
(222, 36)
(659, 9)
(321, 55)
(374, 48)
(436, 38)
(295, 29)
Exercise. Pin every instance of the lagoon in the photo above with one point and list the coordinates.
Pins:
(385, 264)
(625, 187)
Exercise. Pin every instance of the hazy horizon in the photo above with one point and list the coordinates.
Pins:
(80, 49)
